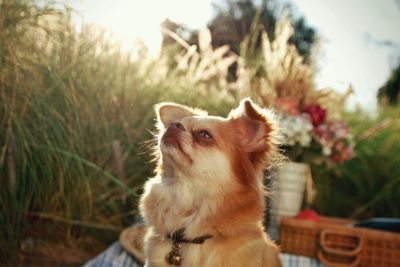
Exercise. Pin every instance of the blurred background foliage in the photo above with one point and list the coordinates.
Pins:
(369, 184)
(389, 93)
(235, 19)
(76, 115)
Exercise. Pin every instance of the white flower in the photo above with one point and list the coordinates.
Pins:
(305, 140)
(326, 150)
(297, 130)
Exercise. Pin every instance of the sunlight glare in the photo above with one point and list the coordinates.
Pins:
(132, 20)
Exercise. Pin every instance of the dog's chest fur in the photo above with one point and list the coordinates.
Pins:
(170, 206)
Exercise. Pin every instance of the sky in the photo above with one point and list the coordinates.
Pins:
(131, 20)
(350, 54)
(349, 30)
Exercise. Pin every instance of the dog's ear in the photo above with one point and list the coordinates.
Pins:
(171, 112)
(254, 125)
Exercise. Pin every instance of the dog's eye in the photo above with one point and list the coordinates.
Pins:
(204, 134)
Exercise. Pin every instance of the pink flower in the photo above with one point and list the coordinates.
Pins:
(317, 114)
(335, 139)
(341, 129)
(342, 151)
(289, 105)
(324, 135)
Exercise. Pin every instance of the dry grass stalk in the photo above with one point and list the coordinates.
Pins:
(277, 70)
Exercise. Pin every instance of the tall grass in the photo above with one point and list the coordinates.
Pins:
(66, 97)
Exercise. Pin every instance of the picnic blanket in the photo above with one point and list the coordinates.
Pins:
(116, 256)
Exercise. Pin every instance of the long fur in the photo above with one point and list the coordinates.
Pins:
(211, 186)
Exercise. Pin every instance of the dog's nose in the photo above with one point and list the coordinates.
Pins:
(177, 125)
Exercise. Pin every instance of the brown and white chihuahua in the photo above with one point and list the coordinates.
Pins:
(205, 206)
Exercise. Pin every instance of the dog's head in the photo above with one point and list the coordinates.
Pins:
(216, 150)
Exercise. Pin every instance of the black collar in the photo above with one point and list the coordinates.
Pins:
(179, 237)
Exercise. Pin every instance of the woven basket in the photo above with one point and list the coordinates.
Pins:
(337, 244)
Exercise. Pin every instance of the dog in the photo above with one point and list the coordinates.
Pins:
(205, 205)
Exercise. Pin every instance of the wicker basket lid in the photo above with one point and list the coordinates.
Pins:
(132, 240)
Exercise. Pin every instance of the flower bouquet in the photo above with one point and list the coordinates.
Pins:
(310, 136)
